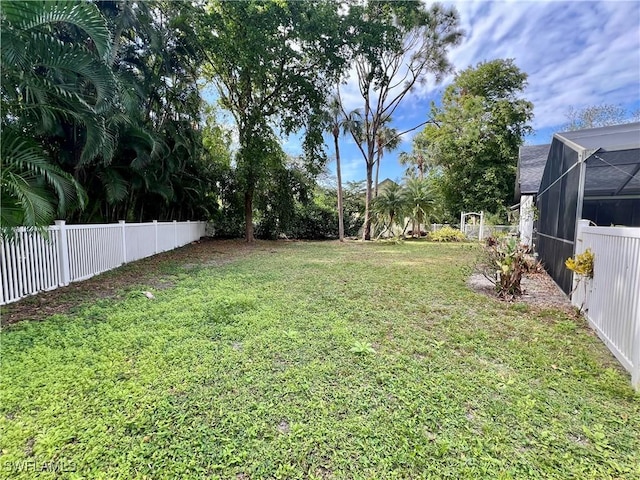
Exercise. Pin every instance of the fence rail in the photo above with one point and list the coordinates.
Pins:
(611, 300)
(477, 231)
(32, 263)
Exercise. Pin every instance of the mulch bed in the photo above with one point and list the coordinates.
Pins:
(538, 288)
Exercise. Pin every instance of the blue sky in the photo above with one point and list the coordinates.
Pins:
(577, 54)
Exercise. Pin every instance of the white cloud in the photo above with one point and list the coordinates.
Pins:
(575, 53)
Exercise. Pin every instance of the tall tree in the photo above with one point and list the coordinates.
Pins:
(482, 119)
(272, 62)
(150, 168)
(398, 45)
(337, 124)
(101, 95)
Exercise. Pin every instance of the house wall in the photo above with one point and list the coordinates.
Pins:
(527, 211)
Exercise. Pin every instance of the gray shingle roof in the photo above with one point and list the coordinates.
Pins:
(531, 162)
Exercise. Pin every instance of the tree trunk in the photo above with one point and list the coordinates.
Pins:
(340, 207)
(248, 215)
(366, 231)
(386, 228)
(375, 191)
(404, 230)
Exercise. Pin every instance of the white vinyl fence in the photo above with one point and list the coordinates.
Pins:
(480, 231)
(611, 300)
(32, 263)
(483, 231)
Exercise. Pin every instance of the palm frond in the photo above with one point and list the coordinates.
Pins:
(83, 15)
(29, 181)
(115, 187)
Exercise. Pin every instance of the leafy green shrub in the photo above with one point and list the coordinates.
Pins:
(313, 221)
(447, 234)
(505, 263)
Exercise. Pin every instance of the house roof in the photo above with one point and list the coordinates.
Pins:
(385, 183)
(612, 158)
(615, 137)
(531, 162)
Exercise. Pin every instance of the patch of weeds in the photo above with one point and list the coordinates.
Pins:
(291, 335)
(362, 348)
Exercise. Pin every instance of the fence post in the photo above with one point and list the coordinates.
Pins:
(481, 233)
(155, 229)
(124, 241)
(64, 277)
(175, 234)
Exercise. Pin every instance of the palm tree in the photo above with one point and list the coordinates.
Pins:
(419, 201)
(337, 124)
(387, 140)
(389, 206)
(413, 160)
(423, 154)
(32, 190)
(47, 81)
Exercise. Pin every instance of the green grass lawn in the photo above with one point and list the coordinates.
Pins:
(315, 360)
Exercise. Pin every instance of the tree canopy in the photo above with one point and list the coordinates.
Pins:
(272, 63)
(100, 109)
(103, 116)
(481, 125)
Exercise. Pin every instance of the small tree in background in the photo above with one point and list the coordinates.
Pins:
(598, 116)
(422, 157)
(389, 207)
(420, 203)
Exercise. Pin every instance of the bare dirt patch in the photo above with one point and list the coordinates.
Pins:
(153, 272)
(539, 290)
